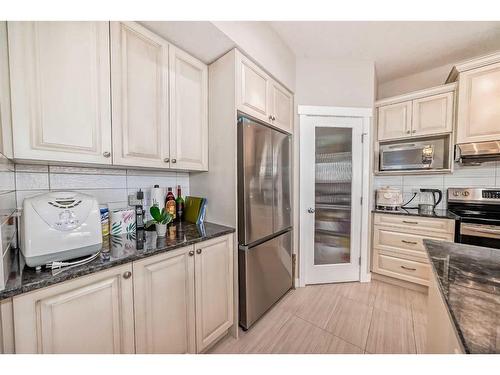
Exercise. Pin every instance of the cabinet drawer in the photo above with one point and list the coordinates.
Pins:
(400, 268)
(416, 223)
(412, 244)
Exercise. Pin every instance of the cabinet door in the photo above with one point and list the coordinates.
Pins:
(281, 107)
(5, 115)
(214, 290)
(164, 303)
(188, 112)
(394, 121)
(139, 81)
(92, 314)
(433, 114)
(60, 91)
(252, 89)
(478, 110)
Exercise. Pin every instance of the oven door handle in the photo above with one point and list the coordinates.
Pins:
(471, 230)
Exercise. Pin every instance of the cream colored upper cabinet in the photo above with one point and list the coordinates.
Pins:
(164, 303)
(60, 91)
(433, 114)
(252, 89)
(281, 107)
(139, 86)
(5, 114)
(92, 314)
(214, 289)
(394, 121)
(478, 105)
(188, 112)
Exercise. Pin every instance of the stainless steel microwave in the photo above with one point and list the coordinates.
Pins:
(423, 154)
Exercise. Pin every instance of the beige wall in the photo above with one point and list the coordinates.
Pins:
(259, 41)
(335, 83)
(418, 81)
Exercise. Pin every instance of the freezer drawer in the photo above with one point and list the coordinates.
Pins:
(265, 275)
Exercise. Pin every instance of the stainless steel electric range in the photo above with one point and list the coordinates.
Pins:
(478, 211)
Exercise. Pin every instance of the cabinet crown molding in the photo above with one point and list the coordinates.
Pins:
(474, 63)
(417, 94)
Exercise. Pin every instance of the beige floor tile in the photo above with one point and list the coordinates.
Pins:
(392, 299)
(350, 321)
(299, 336)
(318, 306)
(362, 292)
(418, 304)
(339, 346)
(390, 334)
(420, 337)
(295, 298)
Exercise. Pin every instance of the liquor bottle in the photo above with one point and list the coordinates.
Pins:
(170, 203)
(179, 203)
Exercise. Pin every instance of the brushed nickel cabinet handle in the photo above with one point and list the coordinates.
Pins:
(413, 131)
(407, 132)
(191, 253)
(408, 268)
(410, 222)
(409, 242)
(174, 160)
(274, 118)
(270, 117)
(166, 160)
(198, 251)
(126, 275)
(106, 154)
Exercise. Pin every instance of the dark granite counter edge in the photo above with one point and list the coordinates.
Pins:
(90, 269)
(456, 325)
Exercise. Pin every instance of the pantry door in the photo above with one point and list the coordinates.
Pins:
(331, 163)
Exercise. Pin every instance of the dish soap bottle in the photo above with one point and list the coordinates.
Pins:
(170, 203)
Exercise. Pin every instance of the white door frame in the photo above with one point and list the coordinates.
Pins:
(366, 115)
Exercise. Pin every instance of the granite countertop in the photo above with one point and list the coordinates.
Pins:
(469, 280)
(116, 250)
(438, 213)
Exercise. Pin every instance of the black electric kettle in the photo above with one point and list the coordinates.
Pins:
(428, 200)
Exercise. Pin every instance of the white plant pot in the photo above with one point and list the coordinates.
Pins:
(161, 230)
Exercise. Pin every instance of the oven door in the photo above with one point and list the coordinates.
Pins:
(397, 157)
(480, 234)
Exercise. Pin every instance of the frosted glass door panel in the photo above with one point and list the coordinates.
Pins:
(332, 232)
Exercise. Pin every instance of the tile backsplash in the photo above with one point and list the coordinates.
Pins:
(7, 216)
(485, 175)
(110, 186)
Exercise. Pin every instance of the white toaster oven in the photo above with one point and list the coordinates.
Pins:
(58, 226)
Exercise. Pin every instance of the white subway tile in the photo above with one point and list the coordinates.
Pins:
(105, 196)
(32, 181)
(393, 181)
(7, 181)
(62, 181)
(6, 164)
(147, 172)
(147, 182)
(421, 181)
(84, 170)
(33, 168)
(7, 203)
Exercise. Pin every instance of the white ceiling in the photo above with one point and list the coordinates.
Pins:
(397, 48)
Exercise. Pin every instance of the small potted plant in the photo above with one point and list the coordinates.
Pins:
(160, 219)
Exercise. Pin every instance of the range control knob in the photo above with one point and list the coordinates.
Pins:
(466, 193)
(456, 193)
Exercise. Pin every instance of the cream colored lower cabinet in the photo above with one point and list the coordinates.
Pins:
(6, 327)
(441, 335)
(164, 303)
(398, 247)
(214, 289)
(91, 314)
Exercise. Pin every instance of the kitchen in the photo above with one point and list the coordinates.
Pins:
(234, 187)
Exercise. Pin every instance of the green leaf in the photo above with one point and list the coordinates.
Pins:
(156, 214)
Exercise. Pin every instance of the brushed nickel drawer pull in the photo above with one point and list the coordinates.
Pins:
(409, 242)
(408, 268)
(410, 222)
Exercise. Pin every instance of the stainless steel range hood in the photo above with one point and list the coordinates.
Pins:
(476, 153)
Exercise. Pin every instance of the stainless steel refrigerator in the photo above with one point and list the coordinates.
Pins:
(264, 219)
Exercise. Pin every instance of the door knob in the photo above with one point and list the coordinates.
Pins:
(311, 210)
(106, 154)
(126, 275)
